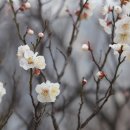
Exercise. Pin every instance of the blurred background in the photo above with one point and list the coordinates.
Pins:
(16, 104)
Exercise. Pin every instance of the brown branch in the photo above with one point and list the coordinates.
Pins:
(80, 108)
(108, 94)
(17, 24)
(56, 127)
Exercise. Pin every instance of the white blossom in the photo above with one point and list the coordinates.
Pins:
(47, 92)
(123, 37)
(87, 11)
(126, 8)
(123, 25)
(28, 59)
(116, 47)
(105, 10)
(106, 26)
(39, 62)
(123, 48)
(2, 91)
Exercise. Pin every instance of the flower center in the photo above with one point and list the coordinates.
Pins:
(124, 36)
(45, 92)
(125, 26)
(30, 60)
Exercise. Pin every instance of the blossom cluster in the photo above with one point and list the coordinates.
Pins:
(48, 91)
(28, 59)
(119, 22)
(120, 10)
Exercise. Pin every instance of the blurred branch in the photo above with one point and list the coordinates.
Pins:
(17, 24)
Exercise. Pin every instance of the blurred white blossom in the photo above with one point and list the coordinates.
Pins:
(123, 25)
(107, 26)
(121, 48)
(2, 91)
(87, 11)
(126, 8)
(122, 32)
(120, 98)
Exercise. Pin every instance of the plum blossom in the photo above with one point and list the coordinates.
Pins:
(107, 26)
(47, 92)
(105, 10)
(123, 25)
(87, 11)
(126, 8)
(2, 91)
(28, 59)
(110, 4)
(123, 37)
(122, 32)
(121, 48)
(117, 47)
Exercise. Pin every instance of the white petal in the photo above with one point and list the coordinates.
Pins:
(38, 88)
(39, 62)
(43, 99)
(28, 53)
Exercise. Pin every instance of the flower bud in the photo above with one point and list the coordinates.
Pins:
(84, 81)
(85, 47)
(100, 74)
(37, 72)
(30, 31)
(27, 5)
(41, 35)
(118, 9)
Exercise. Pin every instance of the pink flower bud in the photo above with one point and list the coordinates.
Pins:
(85, 47)
(41, 35)
(37, 72)
(25, 6)
(84, 81)
(100, 74)
(30, 31)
